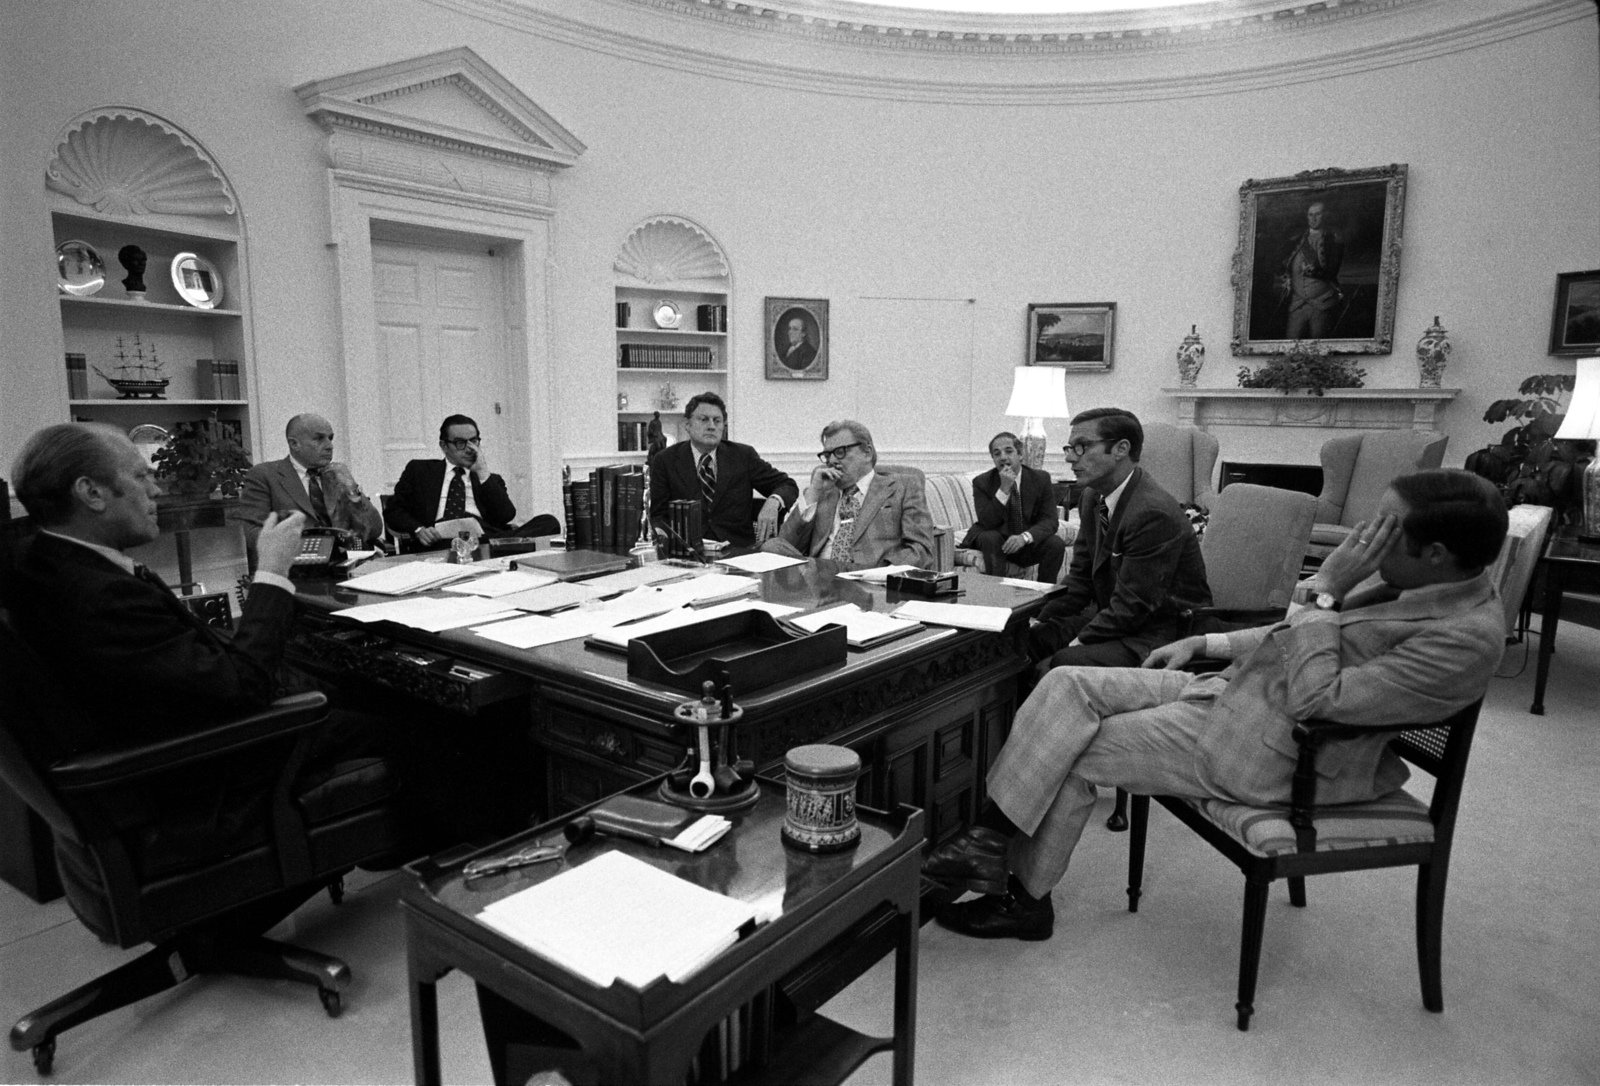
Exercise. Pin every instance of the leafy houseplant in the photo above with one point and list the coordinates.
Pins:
(1303, 367)
(1529, 464)
(200, 457)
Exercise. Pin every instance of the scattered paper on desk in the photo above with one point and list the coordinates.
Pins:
(503, 584)
(619, 918)
(760, 562)
(619, 636)
(1032, 586)
(649, 573)
(964, 616)
(700, 834)
(709, 588)
(875, 575)
(530, 631)
(862, 628)
(428, 613)
(408, 577)
(552, 597)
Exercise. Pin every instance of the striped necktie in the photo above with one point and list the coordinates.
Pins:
(1102, 520)
(708, 480)
(319, 505)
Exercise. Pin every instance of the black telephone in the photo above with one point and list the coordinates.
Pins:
(319, 547)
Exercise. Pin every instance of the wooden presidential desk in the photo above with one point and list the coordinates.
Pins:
(927, 712)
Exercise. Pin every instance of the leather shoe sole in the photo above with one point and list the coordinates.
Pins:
(1001, 916)
(976, 859)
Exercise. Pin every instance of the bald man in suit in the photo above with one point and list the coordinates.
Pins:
(308, 481)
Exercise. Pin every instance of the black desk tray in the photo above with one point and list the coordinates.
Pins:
(748, 649)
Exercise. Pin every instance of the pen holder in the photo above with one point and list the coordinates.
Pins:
(713, 777)
(821, 795)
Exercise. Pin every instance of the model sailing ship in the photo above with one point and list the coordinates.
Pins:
(138, 374)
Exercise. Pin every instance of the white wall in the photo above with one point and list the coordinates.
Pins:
(1122, 187)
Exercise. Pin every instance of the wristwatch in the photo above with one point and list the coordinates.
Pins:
(1325, 601)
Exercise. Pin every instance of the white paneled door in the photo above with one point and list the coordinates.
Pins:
(443, 348)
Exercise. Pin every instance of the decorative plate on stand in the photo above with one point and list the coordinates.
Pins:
(197, 280)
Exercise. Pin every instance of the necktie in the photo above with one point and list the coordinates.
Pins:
(1014, 509)
(455, 499)
(845, 537)
(319, 505)
(708, 480)
(1102, 520)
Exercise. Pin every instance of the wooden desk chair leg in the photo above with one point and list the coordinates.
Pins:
(1119, 813)
(1255, 922)
(1141, 822)
(1430, 932)
(1297, 891)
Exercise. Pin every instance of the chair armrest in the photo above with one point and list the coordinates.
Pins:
(285, 718)
(1309, 736)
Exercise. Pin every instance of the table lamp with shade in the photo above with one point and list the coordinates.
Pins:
(1037, 393)
(1583, 424)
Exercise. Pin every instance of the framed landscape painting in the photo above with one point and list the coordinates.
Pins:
(1073, 335)
(1575, 325)
(1318, 259)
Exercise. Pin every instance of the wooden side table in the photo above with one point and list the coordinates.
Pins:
(1564, 555)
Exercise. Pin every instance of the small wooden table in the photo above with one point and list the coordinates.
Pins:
(651, 1035)
(1563, 555)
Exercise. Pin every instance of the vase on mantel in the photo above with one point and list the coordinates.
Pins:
(1191, 357)
(1433, 349)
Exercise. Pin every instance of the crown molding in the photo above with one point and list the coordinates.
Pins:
(731, 40)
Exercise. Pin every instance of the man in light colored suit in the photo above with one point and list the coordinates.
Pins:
(307, 480)
(1410, 645)
(855, 515)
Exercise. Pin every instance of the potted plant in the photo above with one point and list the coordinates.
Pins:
(1303, 367)
(1529, 464)
(201, 457)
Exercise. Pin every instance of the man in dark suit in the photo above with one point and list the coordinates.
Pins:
(460, 485)
(308, 480)
(797, 352)
(854, 515)
(1017, 518)
(722, 475)
(1136, 564)
(1402, 627)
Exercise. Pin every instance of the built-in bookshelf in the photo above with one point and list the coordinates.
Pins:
(115, 182)
(672, 301)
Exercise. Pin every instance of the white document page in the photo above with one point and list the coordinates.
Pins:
(964, 616)
(875, 575)
(552, 597)
(503, 584)
(531, 631)
(649, 573)
(760, 562)
(428, 613)
(401, 580)
(618, 918)
(860, 626)
(619, 636)
(1032, 586)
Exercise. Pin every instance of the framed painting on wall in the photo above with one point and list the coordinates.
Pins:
(1575, 325)
(1318, 259)
(1073, 335)
(797, 339)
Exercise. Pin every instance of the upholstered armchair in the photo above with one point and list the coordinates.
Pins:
(1183, 459)
(1356, 470)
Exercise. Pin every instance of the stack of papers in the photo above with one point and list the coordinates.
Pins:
(432, 614)
(623, 580)
(408, 577)
(531, 631)
(617, 918)
(504, 584)
(760, 562)
(617, 637)
(964, 616)
(863, 629)
(552, 597)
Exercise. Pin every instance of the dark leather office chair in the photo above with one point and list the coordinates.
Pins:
(1394, 831)
(144, 857)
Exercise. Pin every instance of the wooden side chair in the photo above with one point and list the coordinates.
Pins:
(1397, 830)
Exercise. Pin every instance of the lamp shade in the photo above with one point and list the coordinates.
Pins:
(1583, 410)
(1040, 392)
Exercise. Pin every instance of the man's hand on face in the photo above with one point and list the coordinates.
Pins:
(279, 542)
(823, 478)
(480, 466)
(1359, 556)
(1008, 478)
(339, 473)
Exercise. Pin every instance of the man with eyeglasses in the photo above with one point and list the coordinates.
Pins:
(309, 481)
(460, 485)
(1136, 565)
(722, 475)
(855, 515)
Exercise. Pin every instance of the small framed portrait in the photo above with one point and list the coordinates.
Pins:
(1318, 259)
(1575, 326)
(1072, 335)
(797, 339)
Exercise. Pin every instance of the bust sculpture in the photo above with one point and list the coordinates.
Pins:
(132, 258)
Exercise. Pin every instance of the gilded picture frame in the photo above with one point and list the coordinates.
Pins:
(797, 339)
(1075, 336)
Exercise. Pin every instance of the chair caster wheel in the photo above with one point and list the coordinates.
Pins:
(44, 1056)
(330, 1001)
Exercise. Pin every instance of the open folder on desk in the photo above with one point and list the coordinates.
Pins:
(618, 918)
(862, 629)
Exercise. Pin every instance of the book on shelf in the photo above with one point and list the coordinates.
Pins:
(231, 380)
(566, 498)
(671, 356)
(581, 523)
(77, 376)
(711, 318)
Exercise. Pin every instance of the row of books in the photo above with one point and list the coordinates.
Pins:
(217, 378)
(632, 436)
(666, 357)
(711, 318)
(605, 509)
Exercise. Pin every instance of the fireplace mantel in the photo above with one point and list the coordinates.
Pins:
(1337, 408)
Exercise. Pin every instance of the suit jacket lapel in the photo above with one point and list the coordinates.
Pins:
(1129, 496)
(822, 523)
(290, 477)
(878, 493)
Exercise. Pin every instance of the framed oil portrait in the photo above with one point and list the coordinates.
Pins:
(1073, 335)
(1318, 259)
(797, 339)
(1575, 325)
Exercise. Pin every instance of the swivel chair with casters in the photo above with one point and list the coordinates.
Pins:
(148, 854)
(1397, 830)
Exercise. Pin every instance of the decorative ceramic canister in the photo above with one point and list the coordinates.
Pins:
(1433, 349)
(821, 782)
(1191, 356)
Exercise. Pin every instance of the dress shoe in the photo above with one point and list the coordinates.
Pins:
(976, 859)
(1001, 916)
